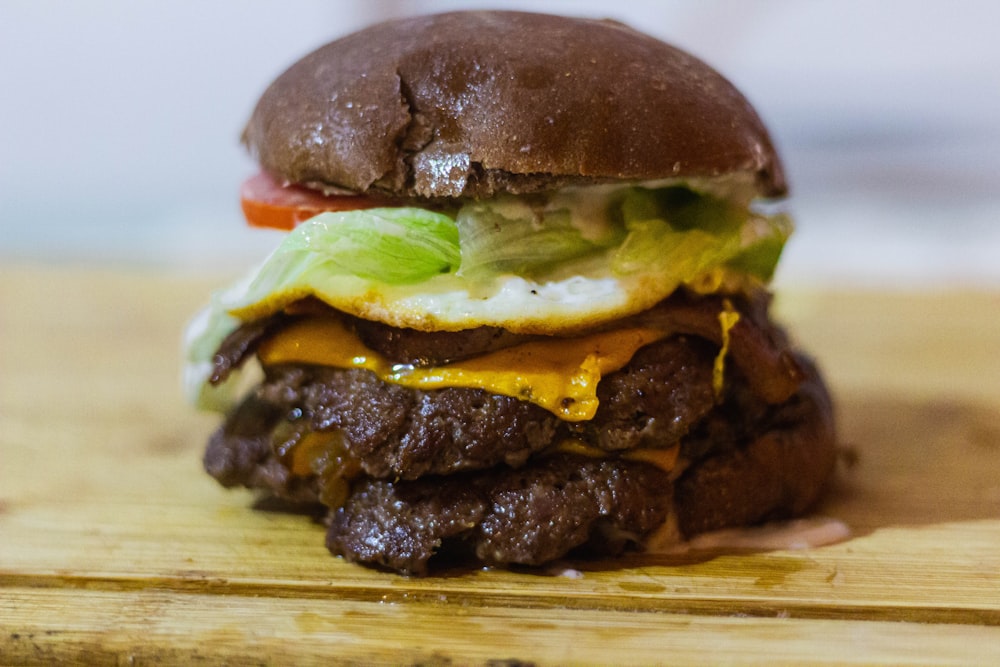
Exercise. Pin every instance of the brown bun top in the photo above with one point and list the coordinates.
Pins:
(475, 103)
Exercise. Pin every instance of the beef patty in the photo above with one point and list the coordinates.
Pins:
(408, 473)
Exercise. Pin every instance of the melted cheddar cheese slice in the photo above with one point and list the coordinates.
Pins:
(560, 375)
(663, 458)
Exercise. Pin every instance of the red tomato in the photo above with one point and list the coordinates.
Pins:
(268, 203)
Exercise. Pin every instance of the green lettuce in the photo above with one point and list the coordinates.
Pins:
(678, 233)
(672, 232)
(518, 240)
(392, 245)
(395, 246)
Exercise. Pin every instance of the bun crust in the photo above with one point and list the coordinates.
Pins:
(477, 103)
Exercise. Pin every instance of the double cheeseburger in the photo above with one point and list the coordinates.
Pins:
(521, 308)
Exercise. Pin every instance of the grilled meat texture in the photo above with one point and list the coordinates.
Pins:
(529, 515)
(393, 431)
(409, 473)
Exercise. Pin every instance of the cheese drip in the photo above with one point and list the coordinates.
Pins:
(558, 374)
(663, 458)
(728, 319)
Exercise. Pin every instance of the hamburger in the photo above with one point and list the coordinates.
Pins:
(521, 308)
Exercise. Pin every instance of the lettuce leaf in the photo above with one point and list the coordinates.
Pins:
(678, 234)
(517, 240)
(391, 245)
(672, 231)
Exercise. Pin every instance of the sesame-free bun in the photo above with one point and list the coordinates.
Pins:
(478, 103)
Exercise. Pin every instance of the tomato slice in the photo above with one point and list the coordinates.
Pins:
(268, 203)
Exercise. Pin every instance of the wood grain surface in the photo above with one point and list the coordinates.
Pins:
(115, 548)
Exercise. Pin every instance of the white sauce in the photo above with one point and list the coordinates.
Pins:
(796, 534)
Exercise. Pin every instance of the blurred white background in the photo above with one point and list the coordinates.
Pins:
(119, 123)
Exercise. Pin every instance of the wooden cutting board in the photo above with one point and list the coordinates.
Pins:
(115, 548)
